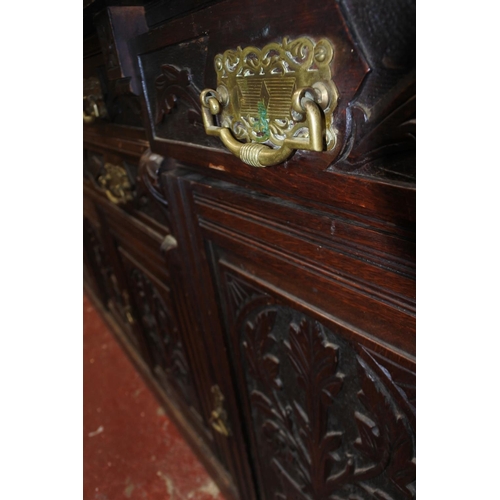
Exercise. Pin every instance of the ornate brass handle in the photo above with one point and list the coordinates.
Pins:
(93, 102)
(275, 100)
(116, 184)
(218, 418)
(128, 308)
(90, 118)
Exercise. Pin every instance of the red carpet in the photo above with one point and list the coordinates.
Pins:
(132, 451)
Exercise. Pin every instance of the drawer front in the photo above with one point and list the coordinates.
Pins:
(111, 174)
(261, 60)
(360, 271)
(127, 179)
(319, 339)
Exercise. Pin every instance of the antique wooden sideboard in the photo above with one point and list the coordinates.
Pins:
(249, 231)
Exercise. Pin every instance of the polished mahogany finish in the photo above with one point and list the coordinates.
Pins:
(271, 309)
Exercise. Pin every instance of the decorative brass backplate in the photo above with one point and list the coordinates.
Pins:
(116, 183)
(279, 97)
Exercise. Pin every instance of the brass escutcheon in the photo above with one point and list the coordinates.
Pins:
(218, 417)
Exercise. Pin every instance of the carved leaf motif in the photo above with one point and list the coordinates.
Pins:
(330, 391)
(261, 364)
(164, 343)
(402, 469)
(173, 84)
(105, 276)
(314, 359)
(386, 129)
(395, 447)
(317, 458)
(369, 440)
(263, 403)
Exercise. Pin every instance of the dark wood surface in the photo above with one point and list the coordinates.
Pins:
(288, 290)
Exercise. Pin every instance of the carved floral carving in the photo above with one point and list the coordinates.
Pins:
(312, 443)
(331, 428)
(386, 129)
(103, 271)
(174, 84)
(163, 338)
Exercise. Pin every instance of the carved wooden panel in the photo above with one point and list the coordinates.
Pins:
(99, 263)
(329, 419)
(156, 317)
(113, 295)
(173, 80)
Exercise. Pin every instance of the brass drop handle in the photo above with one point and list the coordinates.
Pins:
(90, 118)
(272, 101)
(93, 103)
(116, 184)
(305, 100)
(218, 417)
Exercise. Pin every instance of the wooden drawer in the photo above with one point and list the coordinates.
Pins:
(126, 179)
(373, 121)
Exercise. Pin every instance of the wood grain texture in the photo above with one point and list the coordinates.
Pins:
(296, 248)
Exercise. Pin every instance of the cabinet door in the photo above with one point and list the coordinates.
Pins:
(158, 322)
(319, 340)
(103, 276)
(159, 314)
